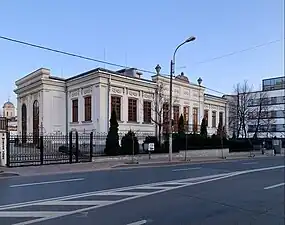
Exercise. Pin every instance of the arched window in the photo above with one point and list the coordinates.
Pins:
(24, 123)
(36, 122)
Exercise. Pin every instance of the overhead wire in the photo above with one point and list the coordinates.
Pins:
(121, 66)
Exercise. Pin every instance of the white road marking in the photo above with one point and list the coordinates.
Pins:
(274, 186)
(87, 194)
(91, 202)
(141, 222)
(14, 214)
(250, 163)
(185, 169)
(46, 182)
(184, 183)
(125, 193)
(122, 200)
(152, 187)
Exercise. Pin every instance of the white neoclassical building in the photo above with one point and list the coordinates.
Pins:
(84, 102)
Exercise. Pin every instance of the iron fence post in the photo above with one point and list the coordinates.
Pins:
(76, 147)
(8, 149)
(91, 146)
(70, 147)
(42, 149)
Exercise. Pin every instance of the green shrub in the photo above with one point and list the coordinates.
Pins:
(112, 141)
(129, 144)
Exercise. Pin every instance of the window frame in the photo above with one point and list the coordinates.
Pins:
(87, 114)
(195, 118)
(115, 106)
(214, 125)
(147, 111)
(74, 119)
(132, 112)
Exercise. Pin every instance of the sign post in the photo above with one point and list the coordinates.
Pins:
(150, 149)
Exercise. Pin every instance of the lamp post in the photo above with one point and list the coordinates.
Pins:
(172, 72)
(199, 113)
(157, 132)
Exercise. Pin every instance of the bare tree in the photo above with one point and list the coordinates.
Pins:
(239, 110)
(260, 116)
(161, 108)
(248, 108)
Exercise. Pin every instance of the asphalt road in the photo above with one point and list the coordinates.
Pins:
(225, 193)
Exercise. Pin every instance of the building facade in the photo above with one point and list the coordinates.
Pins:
(9, 113)
(48, 104)
(264, 110)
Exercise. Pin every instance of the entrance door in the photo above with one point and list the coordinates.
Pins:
(36, 121)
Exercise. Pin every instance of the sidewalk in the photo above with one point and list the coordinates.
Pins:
(107, 163)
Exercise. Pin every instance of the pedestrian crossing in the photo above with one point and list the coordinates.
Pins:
(38, 211)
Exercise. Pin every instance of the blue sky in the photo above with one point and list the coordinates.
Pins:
(143, 33)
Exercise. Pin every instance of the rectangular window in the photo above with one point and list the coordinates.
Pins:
(147, 111)
(221, 115)
(132, 110)
(214, 119)
(195, 119)
(87, 108)
(75, 110)
(116, 106)
(186, 117)
(206, 116)
(175, 117)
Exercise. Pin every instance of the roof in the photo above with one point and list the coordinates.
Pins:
(181, 77)
(99, 69)
(8, 104)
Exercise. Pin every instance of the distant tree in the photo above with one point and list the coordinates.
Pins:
(181, 126)
(204, 131)
(112, 140)
(221, 132)
(161, 109)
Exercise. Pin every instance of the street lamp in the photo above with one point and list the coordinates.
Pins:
(172, 72)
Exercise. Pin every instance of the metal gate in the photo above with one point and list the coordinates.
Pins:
(50, 149)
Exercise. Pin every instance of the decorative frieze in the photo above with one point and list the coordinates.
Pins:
(116, 90)
(195, 104)
(195, 94)
(176, 91)
(186, 103)
(86, 91)
(186, 93)
(148, 95)
(133, 93)
(214, 107)
(74, 94)
(206, 106)
(221, 108)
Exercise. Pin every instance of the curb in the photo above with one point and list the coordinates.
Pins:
(8, 175)
(189, 161)
(173, 163)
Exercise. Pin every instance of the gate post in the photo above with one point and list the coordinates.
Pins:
(76, 146)
(3, 149)
(91, 146)
(70, 147)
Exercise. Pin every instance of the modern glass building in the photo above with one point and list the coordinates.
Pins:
(272, 111)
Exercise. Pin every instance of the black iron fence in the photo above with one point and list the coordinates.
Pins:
(49, 149)
(58, 149)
